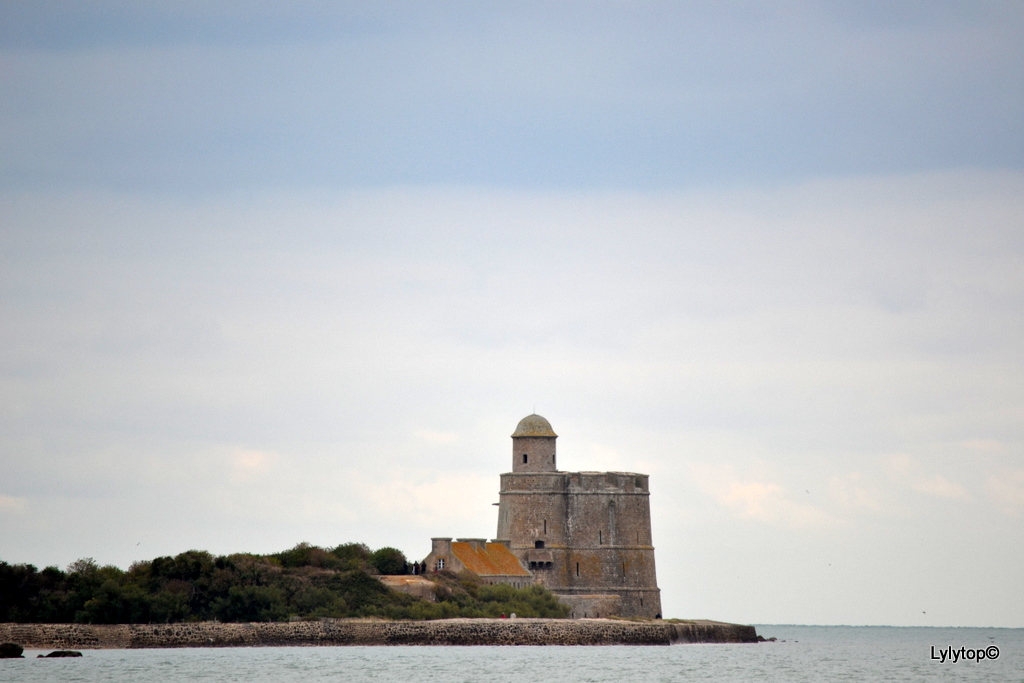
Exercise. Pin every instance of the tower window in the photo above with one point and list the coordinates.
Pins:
(538, 544)
(577, 570)
(600, 537)
(545, 527)
(526, 458)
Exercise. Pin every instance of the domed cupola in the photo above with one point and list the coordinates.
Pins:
(533, 445)
(534, 425)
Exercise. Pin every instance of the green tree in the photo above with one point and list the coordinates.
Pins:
(251, 603)
(389, 561)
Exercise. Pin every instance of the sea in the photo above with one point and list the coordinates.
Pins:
(800, 653)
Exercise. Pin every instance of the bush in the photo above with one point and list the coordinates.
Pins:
(251, 603)
(389, 561)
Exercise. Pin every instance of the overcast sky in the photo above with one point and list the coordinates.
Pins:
(282, 272)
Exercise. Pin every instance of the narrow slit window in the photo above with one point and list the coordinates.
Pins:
(600, 537)
(545, 527)
(526, 458)
(577, 569)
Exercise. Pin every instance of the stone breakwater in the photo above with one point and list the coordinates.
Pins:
(360, 632)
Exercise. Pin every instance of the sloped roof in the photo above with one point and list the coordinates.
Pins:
(493, 559)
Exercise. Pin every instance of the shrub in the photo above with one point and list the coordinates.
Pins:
(389, 561)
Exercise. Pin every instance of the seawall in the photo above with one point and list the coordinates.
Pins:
(360, 632)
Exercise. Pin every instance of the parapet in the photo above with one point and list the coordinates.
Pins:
(608, 482)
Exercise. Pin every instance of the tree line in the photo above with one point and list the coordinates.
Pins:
(304, 582)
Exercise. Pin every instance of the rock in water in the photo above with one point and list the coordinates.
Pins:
(10, 650)
(63, 653)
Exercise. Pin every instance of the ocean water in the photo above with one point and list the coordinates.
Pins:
(809, 653)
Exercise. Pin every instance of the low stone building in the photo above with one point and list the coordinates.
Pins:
(492, 562)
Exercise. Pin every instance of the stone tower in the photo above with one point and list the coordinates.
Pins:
(585, 535)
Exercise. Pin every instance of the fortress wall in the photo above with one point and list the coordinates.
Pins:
(584, 606)
(596, 527)
(611, 567)
(352, 632)
(645, 602)
(610, 540)
(607, 508)
(532, 508)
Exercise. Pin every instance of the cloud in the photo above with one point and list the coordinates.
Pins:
(1007, 490)
(247, 465)
(762, 501)
(436, 437)
(905, 471)
(450, 503)
(852, 493)
(13, 505)
(940, 487)
(898, 465)
(984, 445)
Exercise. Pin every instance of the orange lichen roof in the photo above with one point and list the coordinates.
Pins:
(494, 559)
(505, 561)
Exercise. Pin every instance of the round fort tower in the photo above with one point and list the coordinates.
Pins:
(533, 445)
(584, 535)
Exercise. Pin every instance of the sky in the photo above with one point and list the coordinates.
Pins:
(283, 272)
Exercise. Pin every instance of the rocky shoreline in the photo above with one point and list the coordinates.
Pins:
(333, 632)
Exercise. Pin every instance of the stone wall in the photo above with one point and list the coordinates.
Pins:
(357, 632)
(592, 606)
(583, 533)
(703, 631)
